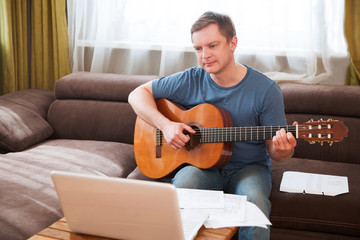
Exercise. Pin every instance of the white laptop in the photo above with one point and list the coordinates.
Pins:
(119, 208)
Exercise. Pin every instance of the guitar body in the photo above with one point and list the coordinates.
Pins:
(156, 159)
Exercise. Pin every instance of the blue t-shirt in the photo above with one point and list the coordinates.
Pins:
(254, 101)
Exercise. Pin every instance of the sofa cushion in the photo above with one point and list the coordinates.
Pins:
(92, 120)
(20, 127)
(36, 100)
(27, 192)
(321, 99)
(338, 214)
(98, 86)
(287, 234)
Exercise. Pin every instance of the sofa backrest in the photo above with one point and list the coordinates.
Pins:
(92, 106)
(305, 102)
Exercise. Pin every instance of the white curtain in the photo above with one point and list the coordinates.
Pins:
(297, 40)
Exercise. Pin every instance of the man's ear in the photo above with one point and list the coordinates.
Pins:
(233, 43)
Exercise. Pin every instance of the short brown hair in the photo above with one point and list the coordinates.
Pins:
(224, 22)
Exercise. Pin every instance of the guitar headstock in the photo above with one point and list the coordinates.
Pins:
(323, 131)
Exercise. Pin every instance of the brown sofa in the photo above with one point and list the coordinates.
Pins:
(86, 125)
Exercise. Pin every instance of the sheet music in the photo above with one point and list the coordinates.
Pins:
(192, 220)
(222, 210)
(233, 213)
(310, 183)
(196, 198)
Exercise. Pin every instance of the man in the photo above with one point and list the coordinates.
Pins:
(251, 99)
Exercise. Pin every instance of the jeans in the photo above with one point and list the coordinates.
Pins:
(254, 181)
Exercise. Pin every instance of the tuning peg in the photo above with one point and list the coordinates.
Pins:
(331, 143)
(312, 142)
(322, 143)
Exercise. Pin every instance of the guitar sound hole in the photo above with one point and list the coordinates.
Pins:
(194, 139)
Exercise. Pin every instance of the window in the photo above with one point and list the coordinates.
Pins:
(299, 40)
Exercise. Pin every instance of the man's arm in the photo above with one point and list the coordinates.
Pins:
(143, 103)
(281, 147)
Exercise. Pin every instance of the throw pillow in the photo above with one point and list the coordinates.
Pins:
(21, 128)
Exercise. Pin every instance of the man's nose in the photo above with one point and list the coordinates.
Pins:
(205, 53)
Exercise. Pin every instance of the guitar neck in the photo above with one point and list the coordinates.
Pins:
(234, 134)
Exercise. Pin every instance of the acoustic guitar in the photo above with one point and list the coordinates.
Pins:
(211, 146)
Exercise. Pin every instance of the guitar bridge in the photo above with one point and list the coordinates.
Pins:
(158, 143)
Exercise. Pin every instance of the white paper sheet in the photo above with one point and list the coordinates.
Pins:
(235, 210)
(195, 198)
(310, 183)
(192, 220)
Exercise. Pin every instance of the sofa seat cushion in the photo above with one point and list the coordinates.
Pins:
(287, 234)
(338, 214)
(26, 184)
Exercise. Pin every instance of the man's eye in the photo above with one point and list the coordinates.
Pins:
(212, 46)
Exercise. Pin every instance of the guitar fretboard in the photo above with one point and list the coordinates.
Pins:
(234, 134)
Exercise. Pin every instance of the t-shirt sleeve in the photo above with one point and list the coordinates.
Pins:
(273, 112)
(169, 87)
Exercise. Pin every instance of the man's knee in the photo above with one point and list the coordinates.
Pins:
(193, 177)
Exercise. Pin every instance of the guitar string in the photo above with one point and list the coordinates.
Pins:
(244, 130)
(251, 130)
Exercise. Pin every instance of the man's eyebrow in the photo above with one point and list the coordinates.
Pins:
(208, 44)
(213, 42)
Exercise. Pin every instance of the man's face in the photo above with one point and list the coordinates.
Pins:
(213, 51)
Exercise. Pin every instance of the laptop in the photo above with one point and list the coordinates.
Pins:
(119, 208)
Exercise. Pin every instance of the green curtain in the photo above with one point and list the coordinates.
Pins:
(13, 40)
(49, 43)
(352, 33)
(49, 49)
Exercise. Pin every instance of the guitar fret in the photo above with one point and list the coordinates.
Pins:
(229, 134)
(264, 132)
(234, 134)
(251, 133)
(219, 140)
(157, 137)
(206, 137)
(202, 135)
(245, 133)
(226, 135)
